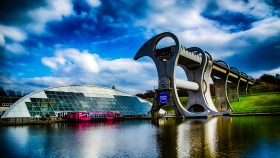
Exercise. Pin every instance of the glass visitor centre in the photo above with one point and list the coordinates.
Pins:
(58, 101)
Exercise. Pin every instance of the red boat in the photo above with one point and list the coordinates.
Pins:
(95, 116)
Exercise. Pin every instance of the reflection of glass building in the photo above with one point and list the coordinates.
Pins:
(59, 100)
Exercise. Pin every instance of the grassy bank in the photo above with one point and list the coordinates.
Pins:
(258, 103)
(253, 103)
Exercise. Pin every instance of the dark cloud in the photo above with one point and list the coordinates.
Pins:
(238, 21)
(275, 5)
(80, 7)
(15, 11)
(124, 8)
(2, 58)
(211, 7)
(241, 22)
(263, 56)
(108, 22)
(111, 20)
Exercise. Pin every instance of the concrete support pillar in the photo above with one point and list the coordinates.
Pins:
(232, 92)
(157, 105)
(221, 103)
(155, 108)
(243, 87)
(171, 102)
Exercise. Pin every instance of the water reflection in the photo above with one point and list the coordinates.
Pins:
(166, 136)
(251, 136)
(197, 138)
(256, 136)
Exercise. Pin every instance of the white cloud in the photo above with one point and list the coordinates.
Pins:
(85, 60)
(29, 85)
(50, 62)
(82, 67)
(205, 37)
(252, 7)
(13, 33)
(70, 59)
(48, 81)
(168, 16)
(15, 48)
(261, 72)
(54, 11)
(2, 40)
(94, 3)
(264, 29)
(124, 65)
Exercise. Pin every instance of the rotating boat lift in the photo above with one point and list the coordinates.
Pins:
(201, 70)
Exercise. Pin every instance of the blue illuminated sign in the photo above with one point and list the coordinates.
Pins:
(163, 97)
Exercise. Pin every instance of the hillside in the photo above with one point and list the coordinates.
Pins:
(258, 103)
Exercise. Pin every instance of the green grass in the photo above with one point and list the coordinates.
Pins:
(169, 108)
(253, 103)
(258, 103)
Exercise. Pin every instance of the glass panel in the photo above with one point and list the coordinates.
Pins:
(52, 114)
(69, 101)
(28, 104)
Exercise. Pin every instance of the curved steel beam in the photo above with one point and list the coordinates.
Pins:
(250, 77)
(244, 74)
(209, 55)
(235, 69)
(221, 61)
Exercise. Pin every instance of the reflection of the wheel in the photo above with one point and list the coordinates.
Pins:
(197, 137)
(165, 121)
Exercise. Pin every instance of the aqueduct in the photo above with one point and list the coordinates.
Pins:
(201, 71)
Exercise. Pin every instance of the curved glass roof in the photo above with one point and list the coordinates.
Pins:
(63, 99)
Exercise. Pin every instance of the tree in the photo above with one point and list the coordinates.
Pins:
(278, 76)
(113, 87)
(270, 78)
(149, 94)
(2, 92)
(266, 83)
(18, 94)
(11, 93)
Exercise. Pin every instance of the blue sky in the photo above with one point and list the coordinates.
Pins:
(63, 42)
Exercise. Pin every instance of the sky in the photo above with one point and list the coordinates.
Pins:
(47, 43)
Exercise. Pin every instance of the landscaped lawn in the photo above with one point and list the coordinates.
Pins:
(258, 103)
(252, 103)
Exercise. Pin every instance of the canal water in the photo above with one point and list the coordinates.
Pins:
(223, 136)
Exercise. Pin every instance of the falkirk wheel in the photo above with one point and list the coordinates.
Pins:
(201, 71)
